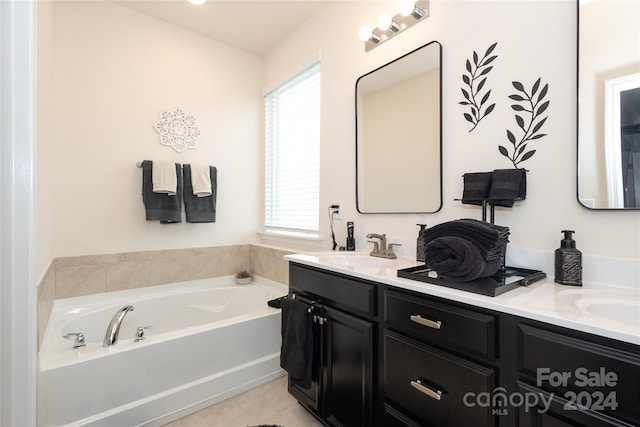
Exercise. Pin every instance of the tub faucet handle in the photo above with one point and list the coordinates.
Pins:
(79, 341)
(140, 333)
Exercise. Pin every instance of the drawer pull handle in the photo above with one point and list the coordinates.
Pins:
(425, 322)
(434, 394)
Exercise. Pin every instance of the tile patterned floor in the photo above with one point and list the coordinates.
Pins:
(268, 404)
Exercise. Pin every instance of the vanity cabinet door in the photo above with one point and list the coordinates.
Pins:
(432, 387)
(585, 370)
(348, 385)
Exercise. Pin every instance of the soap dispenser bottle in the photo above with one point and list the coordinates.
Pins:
(420, 244)
(351, 241)
(568, 261)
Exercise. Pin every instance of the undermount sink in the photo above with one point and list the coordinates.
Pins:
(356, 260)
(622, 307)
(608, 304)
(627, 312)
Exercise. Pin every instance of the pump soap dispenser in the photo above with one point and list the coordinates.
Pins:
(568, 261)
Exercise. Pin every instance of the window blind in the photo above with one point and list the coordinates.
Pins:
(292, 158)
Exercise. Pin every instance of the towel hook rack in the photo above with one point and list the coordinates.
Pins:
(139, 164)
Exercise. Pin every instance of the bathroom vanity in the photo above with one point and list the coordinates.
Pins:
(394, 352)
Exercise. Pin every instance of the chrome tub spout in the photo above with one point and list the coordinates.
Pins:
(111, 336)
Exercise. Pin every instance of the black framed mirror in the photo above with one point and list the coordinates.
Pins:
(608, 104)
(399, 134)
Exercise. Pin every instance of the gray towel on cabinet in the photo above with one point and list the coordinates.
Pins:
(161, 207)
(200, 209)
(296, 353)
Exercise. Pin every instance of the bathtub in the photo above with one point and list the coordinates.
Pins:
(211, 339)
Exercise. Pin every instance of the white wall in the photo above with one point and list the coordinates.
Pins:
(45, 150)
(535, 39)
(113, 72)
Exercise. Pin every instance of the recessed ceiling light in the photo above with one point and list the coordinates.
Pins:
(196, 1)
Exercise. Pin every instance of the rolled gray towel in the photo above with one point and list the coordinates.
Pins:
(490, 239)
(458, 259)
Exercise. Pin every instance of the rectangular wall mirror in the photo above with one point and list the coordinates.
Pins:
(609, 104)
(398, 135)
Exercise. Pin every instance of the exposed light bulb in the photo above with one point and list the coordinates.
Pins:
(196, 1)
(384, 21)
(365, 33)
(406, 7)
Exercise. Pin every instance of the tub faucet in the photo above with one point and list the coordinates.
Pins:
(111, 336)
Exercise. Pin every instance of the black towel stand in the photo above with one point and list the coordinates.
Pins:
(492, 218)
(485, 202)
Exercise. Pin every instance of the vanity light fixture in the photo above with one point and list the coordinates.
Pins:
(367, 34)
(410, 13)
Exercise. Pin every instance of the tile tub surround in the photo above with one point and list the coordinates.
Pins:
(86, 275)
(269, 262)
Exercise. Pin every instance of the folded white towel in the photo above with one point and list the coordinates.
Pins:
(163, 176)
(201, 180)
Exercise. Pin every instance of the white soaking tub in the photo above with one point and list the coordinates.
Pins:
(211, 339)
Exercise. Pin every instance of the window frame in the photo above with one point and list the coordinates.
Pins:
(284, 231)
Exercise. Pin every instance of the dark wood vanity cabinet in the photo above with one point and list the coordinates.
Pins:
(391, 357)
(342, 390)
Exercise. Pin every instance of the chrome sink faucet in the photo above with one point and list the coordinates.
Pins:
(382, 250)
(111, 336)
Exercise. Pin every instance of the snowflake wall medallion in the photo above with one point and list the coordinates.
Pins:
(177, 129)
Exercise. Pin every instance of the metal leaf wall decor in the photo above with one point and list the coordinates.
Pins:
(528, 108)
(475, 79)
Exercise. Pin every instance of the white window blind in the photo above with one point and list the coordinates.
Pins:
(292, 158)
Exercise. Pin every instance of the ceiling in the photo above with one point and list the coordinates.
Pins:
(255, 26)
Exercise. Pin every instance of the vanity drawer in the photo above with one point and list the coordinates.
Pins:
(583, 369)
(434, 322)
(349, 294)
(432, 387)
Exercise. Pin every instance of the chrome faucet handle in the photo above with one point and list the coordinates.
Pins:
(390, 253)
(140, 333)
(79, 341)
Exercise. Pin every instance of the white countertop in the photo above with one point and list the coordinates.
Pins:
(608, 311)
